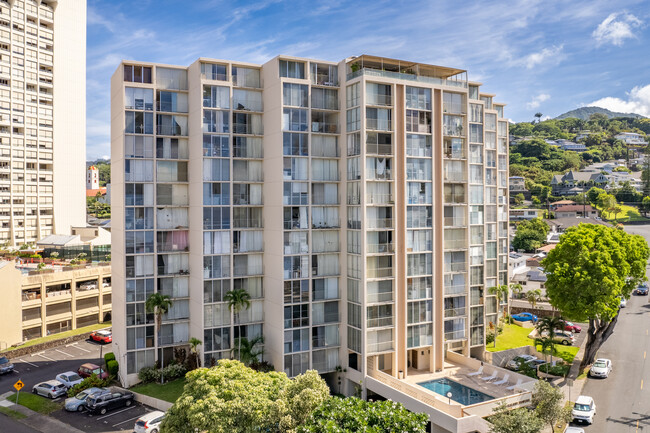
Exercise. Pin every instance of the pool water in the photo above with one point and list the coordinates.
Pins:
(460, 393)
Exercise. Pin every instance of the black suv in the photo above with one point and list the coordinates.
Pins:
(104, 402)
(5, 365)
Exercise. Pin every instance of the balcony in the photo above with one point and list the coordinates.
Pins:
(379, 322)
(380, 248)
(405, 76)
(455, 244)
(456, 267)
(325, 127)
(379, 198)
(458, 289)
(378, 124)
(379, 174)
(380, 272)
(455, 335)
(458, 221)
(385, 346)
(455, 312)
(379, 223)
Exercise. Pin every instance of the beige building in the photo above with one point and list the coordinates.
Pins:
(363, 205)
(39, 303)
(42, 136)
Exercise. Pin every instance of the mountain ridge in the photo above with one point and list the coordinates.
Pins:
(584, 113)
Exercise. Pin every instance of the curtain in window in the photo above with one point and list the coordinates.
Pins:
(325, 217)
(325, 241)
(138, 170)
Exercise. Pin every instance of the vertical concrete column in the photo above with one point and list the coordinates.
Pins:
(73, 302)
(399, 265)
(43, 308)
(100, 300)
(437, 353)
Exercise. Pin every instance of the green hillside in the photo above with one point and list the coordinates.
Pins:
(585, 112)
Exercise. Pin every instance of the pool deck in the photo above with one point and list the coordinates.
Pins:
(459, 374)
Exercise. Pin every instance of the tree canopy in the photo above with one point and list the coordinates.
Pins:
(232, 398)
(351, 415)
(530, 235)
(589, 271)
(519, 420)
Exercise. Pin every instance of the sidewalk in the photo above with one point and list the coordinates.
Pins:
(35, 420)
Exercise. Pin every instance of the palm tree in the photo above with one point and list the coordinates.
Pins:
(533, 297)
(158, 304)
(238, 299)
(501, 293)
(549, 325)
(194, 343)
(546, 343)
(247, 352)
(516, 289)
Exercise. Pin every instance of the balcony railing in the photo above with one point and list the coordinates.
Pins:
(326, 128)
(455, 335)
(455, 221)
(458, 289)
(403, 76)
(455, 244)
(455, 312)
(455, 198)
(377, 99)
(378, 124)
(380, 272)
(379, 223)
(456, 267)
(379, 198)
(374, 174)
(379, 347)
(380, 248)
(379, 322)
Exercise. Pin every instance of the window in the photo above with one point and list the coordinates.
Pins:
(246, 77)
(171, 125)
(353, 96)
(378, 94)
(379, 119)
(138, 122)
(418, 98)
(249, 100)
(216, 121)
(418, 121)
(453, 103)
(295, 94)
(353, 120)
(216, 97)
(138, 98)
(138, 146)
(214, 72)
(291, 69)
(215, 145)
(294, 119)
(295, 144)
(168, 78)
(326, 99)
(137, 74)
(172, 101)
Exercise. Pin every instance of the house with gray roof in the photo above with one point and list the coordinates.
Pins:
(575, 182)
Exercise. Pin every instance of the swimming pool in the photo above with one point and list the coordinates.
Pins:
(460, 393)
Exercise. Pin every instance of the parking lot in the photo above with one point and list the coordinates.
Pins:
(45, 365)
(117, 420)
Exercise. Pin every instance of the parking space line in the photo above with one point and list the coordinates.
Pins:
(43, 356)
(130, 419)
(115, 413)
(77, 347)
(65, 353)
(26, 362)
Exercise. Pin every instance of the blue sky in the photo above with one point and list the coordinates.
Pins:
(547, 56)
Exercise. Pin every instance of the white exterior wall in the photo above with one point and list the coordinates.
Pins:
(69, 115)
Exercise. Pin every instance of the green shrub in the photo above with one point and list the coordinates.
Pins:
(174, 371)
(149, 374)
(110, 356)
(112, 366)
(89, 382)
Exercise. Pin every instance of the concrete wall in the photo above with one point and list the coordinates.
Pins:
(69, 132)
(11, 330)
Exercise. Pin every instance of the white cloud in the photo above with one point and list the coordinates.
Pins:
(552, 55)
(616, 28)
(537, 101)
(637, 101)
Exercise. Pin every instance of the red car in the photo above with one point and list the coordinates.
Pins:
(88, 369)
(570, 326)
(101, 336)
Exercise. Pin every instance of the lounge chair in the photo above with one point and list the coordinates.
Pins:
(489, 378)
(502, 381)
(477, 372)
(510, 388)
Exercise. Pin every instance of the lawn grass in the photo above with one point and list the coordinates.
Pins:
(36, 403)
(629, 213)
(12, 413)
(170, 391)
(514, 336)
(62, 335)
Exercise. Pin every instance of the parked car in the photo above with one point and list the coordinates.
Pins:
(641, 290)
(570, 429)
(525, 317)
(564, 337)
(5, 365)
(535, 363)
(51, 389)
(88, 369)
(78, 402)
(623, 302)
(69, 379)
(601, 368)
(102, 336)
(104, 402)
(149, 423)
(584, 409)
(570, 326)
(515, 363)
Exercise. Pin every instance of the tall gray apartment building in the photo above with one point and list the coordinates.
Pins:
(362, 204)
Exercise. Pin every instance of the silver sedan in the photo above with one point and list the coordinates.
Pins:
(51, 389)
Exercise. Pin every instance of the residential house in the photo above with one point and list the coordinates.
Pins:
(517, 184)
(575, 210)
(557, 204)
(524, 214)
(632, 138)
(576, 182)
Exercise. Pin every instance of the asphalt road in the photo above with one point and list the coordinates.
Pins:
(9, 425)
(45, 365)
(623, 399)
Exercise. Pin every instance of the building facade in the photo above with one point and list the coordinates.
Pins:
(92, 177)
(362, 204)
(42, 138)
(37, 303)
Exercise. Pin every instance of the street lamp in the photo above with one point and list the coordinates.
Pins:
(449, 396)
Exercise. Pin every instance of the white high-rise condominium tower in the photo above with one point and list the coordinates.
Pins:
(42, 118)
(362, 205)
